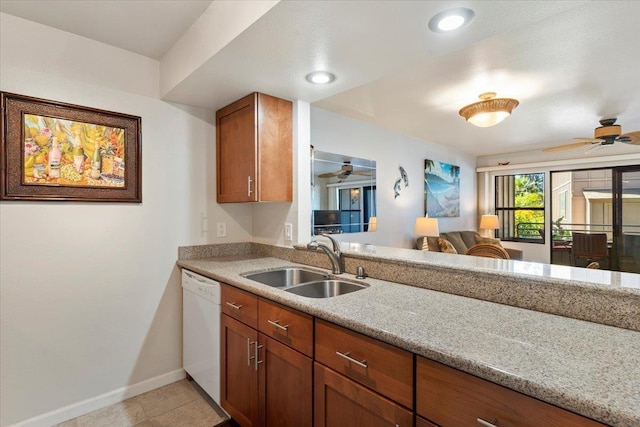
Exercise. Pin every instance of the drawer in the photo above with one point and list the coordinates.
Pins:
(240, 305)
(379, 366)
(421, 422)
(286, 325)
(450, 397)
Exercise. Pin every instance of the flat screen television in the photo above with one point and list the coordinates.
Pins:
(326, 221)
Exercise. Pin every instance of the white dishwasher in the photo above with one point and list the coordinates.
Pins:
(201, 331)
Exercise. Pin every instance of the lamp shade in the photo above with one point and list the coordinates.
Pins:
(490, 222)
(490, 111)
(373, 223)
(426, 227)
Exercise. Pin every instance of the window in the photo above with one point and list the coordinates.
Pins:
(520, 207)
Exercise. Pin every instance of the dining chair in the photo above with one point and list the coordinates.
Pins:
(587, 247)
(488, 250)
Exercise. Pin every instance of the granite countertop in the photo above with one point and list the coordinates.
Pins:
(568, 276)
(587, 368)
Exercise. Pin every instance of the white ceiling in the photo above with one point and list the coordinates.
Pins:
(568, 62)
(146, 27)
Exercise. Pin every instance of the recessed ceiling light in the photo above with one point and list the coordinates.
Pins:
(320, 77)
(451, 19)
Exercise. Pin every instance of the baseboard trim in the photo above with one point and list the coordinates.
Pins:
(89, 405)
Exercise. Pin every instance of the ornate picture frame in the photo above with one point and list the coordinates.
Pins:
(54, 151)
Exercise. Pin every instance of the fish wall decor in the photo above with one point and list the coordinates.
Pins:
(397, 186)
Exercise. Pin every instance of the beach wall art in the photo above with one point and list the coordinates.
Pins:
(441, 189)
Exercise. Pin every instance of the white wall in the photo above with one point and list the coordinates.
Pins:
(335, 133)
(90, 299)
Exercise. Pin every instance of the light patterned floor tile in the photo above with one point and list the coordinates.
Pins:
(123, 414)
(157, 402)
(194, 414)
(70, 423)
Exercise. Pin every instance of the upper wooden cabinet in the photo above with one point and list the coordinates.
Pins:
(253, 150)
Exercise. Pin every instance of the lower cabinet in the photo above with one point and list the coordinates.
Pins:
(341, 402)
(266, 362)
(285, 385)
(451, 398)
(239, 372)
(269, 378)
(421, 422)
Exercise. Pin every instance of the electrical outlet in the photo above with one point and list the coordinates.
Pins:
(288, 231)
(221, 229)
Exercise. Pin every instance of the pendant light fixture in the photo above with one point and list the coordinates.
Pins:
(490, 111)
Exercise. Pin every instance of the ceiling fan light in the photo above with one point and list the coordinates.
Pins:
(490, 111)
(485, 120)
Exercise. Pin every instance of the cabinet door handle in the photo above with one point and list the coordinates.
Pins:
(249, 357)
(277, 324)
(249, 181)
(234, 305)
(493, 423)
(256, 357)
(361, 363)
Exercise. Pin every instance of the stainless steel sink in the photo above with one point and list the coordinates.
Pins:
(325, 288)
(285, 277)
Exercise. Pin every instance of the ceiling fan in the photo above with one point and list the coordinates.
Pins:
(345, 171)
(606, 134)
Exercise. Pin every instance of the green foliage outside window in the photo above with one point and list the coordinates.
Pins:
(529, 193)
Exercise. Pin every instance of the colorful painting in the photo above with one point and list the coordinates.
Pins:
(55, 151)
(69, 153)
(441, 189)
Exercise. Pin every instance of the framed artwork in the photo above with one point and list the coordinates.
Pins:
(56, 151)
(441, 189)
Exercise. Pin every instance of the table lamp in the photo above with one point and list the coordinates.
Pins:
(425, 227)
(490, 223)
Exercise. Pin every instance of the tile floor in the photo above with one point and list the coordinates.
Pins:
(180, 404)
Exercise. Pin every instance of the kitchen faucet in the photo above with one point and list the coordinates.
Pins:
(333, 254)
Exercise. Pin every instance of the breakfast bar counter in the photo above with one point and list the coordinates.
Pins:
(587, 368)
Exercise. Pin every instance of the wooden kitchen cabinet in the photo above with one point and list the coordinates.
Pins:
(265, 382)
(285, 385)
(341, 402)
(384, 368)
(254, 150)
(286, 325)
(239, 377)
(240, 305)
(421, 422)
(449, 397)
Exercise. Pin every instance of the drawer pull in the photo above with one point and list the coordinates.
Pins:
(256, 357)
(249, 191)
(234, 305)
(249, 357)
(361, 363)
(493, 423)
(278, 325)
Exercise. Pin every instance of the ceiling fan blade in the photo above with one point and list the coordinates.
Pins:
(594, 148)
(361, 173)
(329, 174)
(569, 146)
(630, 138)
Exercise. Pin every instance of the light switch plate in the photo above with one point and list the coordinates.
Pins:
(288, 231)
(221, 229)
